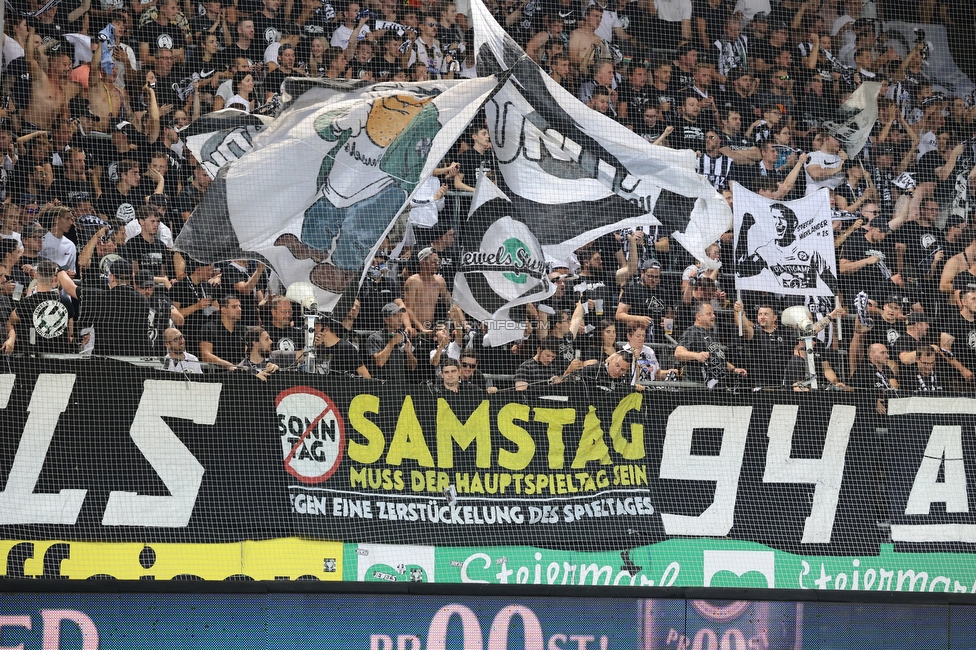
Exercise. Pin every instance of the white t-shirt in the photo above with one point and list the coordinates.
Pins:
(750, 8)
(189, 364)
(60, 251)
(826, 161)
(164, 234)
(674, 11)
(342, 34)
(607, 24)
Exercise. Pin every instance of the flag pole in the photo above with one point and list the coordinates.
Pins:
(840, 328)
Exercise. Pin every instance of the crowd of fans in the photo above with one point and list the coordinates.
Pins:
(97, 183)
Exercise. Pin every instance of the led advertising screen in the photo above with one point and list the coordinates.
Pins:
(411, 622)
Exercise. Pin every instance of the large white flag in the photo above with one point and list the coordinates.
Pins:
(578, 173)
(784, 247)
(324, 182)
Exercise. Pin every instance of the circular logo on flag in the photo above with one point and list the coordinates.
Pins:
(312, 433)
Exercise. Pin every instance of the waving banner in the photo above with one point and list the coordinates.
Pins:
(784, 247)
(569, 165)
(326, 180)
(854, 120)
(503, 265)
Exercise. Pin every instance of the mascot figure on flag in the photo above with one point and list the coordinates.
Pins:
(378, 152)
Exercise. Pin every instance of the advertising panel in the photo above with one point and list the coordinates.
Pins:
(246, 621)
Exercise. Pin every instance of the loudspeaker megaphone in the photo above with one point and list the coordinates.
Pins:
(798, 317)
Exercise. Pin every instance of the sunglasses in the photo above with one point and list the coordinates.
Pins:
(432, 24)
(784, 77)
(468, 365)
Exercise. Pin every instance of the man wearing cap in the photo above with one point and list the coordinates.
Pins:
(739, 97)
(40, 322)
(649, 302)
(390, 348)
(423, 290)
(177, 359)
(120, 316)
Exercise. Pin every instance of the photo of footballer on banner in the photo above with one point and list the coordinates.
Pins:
(784, 247)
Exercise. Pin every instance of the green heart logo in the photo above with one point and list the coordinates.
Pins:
(512, 247)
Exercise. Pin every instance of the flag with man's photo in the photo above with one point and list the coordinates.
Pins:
(577, 174)
(322, 184)
(853, 121)
(503, 265)
(784, 247)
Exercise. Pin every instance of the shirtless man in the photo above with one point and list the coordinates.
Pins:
(50, 90)
(583, 41)
(105, 100)
(422, 291)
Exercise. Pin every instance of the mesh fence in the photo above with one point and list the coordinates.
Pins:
(486, 322)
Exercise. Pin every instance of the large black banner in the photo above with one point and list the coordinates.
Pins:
(97, 450)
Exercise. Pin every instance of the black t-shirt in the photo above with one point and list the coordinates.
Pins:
(921, 244)
(152, 257)
(63, 187)
(227, 345)
(596, 288)
(286, 339)
(868, 376)
(964, 334)
(873, 278)
(636, 99)
(121, 318)
(689, 136)
(696, 339)
(115, 204)
(733, 101)
(160, 36)
(470, 161)
(644, 301)
(795, 367)
(343, 357)
(382, 69)
(43, 326)
(185, 294)
(906, 343)
(771, 351)
(268, 30)
(885, 333)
